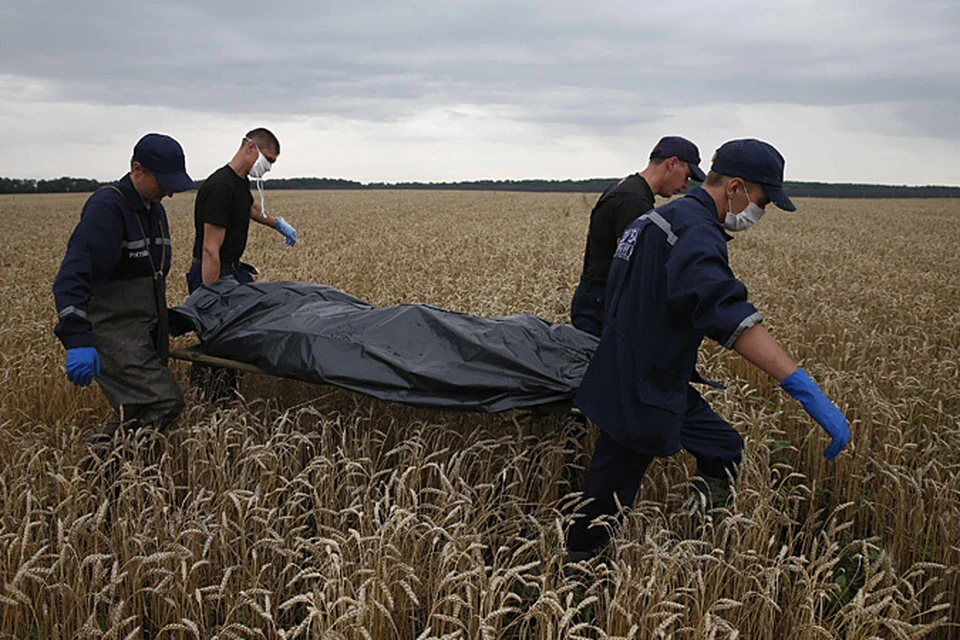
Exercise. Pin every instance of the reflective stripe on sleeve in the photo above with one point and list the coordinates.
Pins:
(661, 222)
(746, 323)
(71, 310)
(134, 244)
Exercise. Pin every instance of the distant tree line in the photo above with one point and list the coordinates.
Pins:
(590, 185)
(597, 185)
(58, 185)
(843, 190)
(312, 183)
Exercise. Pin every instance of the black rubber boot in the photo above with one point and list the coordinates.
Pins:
(709, 497)
(104, 436)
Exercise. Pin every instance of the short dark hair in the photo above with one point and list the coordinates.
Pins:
(714, 179)
(264, 138)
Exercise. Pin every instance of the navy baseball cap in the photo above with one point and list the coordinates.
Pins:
(685, 150)
(754, 161)
(163, 156)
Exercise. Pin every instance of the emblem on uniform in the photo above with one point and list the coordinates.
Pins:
(625, 248)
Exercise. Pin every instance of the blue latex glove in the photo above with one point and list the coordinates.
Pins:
(799, 385)
(289, 233)
(83, 365)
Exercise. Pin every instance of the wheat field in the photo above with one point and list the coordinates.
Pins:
(299, 511)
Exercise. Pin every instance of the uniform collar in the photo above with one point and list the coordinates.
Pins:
(125, 184)
(704, 198)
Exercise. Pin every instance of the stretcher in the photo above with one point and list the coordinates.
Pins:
(195, 354)
(415, 354)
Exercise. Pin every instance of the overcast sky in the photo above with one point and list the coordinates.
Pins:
(848, 91)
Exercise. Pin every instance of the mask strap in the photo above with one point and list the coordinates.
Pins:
(730, 202)
(263, 206)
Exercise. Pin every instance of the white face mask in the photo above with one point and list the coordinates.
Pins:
(742, 221)
(257, 171)
(260, 167)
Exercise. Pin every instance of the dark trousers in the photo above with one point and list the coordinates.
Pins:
(586, 308)
(134, 375)
(213, 383)
(195, 275)
(615, 471)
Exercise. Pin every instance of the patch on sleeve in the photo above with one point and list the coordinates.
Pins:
(627, 242)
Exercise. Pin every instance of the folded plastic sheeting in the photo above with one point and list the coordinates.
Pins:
(412, 353)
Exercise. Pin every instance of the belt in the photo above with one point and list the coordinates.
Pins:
(223, 265)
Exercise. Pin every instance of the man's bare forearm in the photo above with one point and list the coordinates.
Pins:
(213, 236)
(258, 215)
(210, 267)
(758, 347)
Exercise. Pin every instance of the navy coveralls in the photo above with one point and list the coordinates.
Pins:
(670, 285)
(107, 297)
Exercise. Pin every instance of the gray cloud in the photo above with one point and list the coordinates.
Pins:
(596, 67)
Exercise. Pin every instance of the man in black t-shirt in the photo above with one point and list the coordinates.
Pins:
(224, 208)
(672, 163)
(221, 215)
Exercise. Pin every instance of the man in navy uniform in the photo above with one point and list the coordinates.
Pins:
(672, 163)
(110, 291)
(671, 285)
